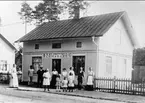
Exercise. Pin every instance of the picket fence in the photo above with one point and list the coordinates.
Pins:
(118, 85)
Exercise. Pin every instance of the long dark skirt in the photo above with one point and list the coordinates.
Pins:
(53, 82)
(89, 87)
(80, 81)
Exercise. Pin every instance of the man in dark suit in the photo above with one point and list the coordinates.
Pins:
(40, 77)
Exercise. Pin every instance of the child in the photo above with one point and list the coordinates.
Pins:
(46, 80)
(58, 83)
(64, 84)
(70, 82)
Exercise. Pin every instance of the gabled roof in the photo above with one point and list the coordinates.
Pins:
(71, 28)
(7, 42)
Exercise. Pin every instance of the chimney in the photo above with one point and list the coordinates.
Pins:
(76, 12)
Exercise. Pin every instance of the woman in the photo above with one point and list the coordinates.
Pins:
(46, 79)
(80, 78)
(53, 80)
(90, 79)
(14, 78)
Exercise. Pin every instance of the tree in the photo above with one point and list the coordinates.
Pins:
(49, 10)
(139, 57)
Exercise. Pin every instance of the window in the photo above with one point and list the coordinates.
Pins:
(124, 66)
(56, 45)
(36, 46)
(36, 62)
(108, 65)
(3, 65)
(78, 61)
(79, 44)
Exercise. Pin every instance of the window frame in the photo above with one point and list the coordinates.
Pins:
(108, 64)
(78, 44)
(37, 46)
(37, 56)
(3, 65)
(57, 47)
(125, 65)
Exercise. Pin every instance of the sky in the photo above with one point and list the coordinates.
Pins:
(12, 28)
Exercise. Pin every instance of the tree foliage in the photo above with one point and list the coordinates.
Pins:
(139, 57)
(49, 10)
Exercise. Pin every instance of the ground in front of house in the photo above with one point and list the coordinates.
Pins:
(15, 96)
(10, 95)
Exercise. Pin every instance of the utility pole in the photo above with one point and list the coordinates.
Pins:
(25, 24)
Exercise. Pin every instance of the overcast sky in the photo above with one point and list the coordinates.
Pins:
(13, 29)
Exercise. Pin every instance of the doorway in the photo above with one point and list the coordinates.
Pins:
(78, 61)
(56, 63)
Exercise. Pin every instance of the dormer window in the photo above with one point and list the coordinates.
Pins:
(36, 46)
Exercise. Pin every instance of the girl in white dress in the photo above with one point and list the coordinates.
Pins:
(46, 79)
(70, 82)
(64, 73)
(64, 84)
(90, 79)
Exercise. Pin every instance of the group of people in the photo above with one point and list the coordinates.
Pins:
(65, 80)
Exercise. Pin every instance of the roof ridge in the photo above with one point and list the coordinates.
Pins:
(86, 26)
(85, 17)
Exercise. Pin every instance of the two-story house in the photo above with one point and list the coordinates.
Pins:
(104, 42)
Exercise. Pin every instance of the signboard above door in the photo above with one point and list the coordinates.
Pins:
(57, 55)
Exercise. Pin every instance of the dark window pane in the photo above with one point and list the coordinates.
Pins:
(56, 45)
(36, 46)
(36, 62)
(79, 44)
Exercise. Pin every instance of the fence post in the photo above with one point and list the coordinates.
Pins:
(114, 80)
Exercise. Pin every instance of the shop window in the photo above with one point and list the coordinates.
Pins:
(79, 44)
(56, 45)
(36, 62)
(108, 65)
(36, 46)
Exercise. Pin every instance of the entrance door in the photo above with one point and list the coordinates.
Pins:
(56, 63)
(78, 61)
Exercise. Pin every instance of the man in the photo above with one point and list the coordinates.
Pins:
(40, 77)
